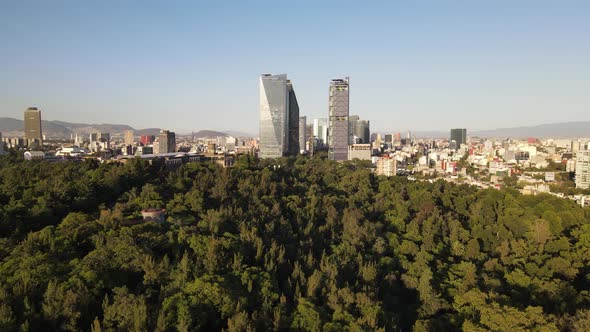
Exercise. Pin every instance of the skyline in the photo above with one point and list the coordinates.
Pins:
(410, 68)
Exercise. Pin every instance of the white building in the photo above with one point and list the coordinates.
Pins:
(583, 169)
(386, 166)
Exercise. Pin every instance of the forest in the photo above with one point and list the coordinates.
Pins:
(300, 244)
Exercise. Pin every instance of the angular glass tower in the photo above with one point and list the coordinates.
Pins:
(274, 116)
(338, 132)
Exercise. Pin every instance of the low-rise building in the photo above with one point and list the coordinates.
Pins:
(359, 151)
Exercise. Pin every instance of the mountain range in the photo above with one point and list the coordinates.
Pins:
(60, 129)
(552, 130)
(15, 127)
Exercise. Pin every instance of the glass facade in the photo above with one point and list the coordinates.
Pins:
(274, 117)
(458, 136)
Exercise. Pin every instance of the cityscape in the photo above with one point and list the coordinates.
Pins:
(384, 167)
(556, 166)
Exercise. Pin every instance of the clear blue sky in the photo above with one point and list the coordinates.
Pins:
(185, 65)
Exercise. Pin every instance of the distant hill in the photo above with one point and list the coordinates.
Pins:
(236, 133)
(209, 133)
(15, 127)
(554, 130)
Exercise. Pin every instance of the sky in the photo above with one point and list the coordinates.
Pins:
(193, 65)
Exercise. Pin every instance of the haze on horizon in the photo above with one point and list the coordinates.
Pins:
(189, 66)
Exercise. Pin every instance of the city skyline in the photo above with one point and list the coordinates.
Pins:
(411, 68)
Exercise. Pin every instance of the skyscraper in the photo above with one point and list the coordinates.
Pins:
(277, 125)
(128, 137)
(583, 169)
(338, 133)
(302, 133)
(166, 141)
(363, 132)
(33, 129)
(293, 110)
(458, 136)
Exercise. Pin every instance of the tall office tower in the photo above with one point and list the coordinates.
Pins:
(338, 127)
(274, 116)
(320, 130)
(1, 145)
(293, 111)
(458, 136)
(128, 137)
(33, 130)
(302, 133)
(352, 121)
(583, 169)
(363, 132)
(166, 141)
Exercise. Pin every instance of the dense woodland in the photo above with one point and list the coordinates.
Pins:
(290, 244)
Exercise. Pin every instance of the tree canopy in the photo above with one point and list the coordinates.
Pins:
(288, 244)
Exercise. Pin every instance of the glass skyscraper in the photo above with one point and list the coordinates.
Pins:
(338, 132)
(458, 137)
(279, 117)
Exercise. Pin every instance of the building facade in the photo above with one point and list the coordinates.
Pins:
(359, 151)
(33, 130)
(146, 139)
(583, 169)
(274, 116)
(293, 111)
(129, 137)
(302, 133)
(1, 145)
(363, 132)
(166, 141)
(458, 137)
(386, 166)
(339, 109)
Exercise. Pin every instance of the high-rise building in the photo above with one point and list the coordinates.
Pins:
(320, 130)
(302, 133)
(293, 111)
(363, 132)
(352, 121)
(33, 130)
(166, 141)
(1, 145)
(129, 137)
(583, 169)
(458, 137)
(339, 108)
(274, 116)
